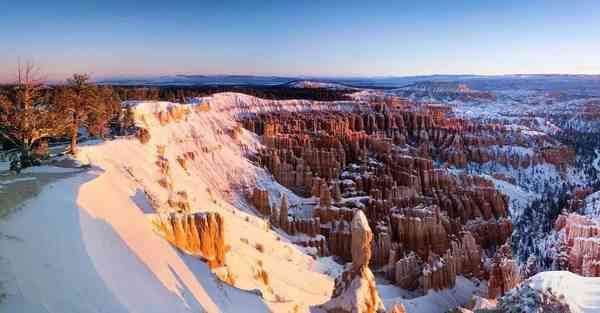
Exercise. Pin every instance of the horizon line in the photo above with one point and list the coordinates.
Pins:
(108, 78)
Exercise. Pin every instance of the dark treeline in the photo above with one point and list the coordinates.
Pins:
(585, 144)
(181, 93)
(532, 227)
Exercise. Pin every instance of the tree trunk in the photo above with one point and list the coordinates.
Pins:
(74, 130)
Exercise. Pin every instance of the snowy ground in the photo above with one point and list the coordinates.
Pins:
(581, 293)
(14, 190)
(433, 301)
(65, 251)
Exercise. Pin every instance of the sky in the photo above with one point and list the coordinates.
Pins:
(111, 39)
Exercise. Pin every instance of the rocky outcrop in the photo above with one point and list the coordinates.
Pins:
(504, 273)
(260, 200)
(307, 226)
(490, 233)
(355, 289)
(581, 239)
(340, 240)
(199, 234)
(279, 217)
(558, 155)
(398, 308)
(331, 214)
(406, 271)
(422, 230)
(381, 247)
(438, 273)
(362, 236)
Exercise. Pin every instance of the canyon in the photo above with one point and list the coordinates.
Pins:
(379, 203)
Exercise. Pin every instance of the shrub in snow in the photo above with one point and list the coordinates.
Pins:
(525, 299)
(143, 135)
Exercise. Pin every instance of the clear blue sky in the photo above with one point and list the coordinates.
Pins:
(337, 38)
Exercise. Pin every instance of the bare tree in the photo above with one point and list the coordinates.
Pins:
(25, 116)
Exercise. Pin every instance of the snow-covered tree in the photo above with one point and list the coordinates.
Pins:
(531, 267)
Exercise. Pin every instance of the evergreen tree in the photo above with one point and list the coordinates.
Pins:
(80, 103)
(531, 267)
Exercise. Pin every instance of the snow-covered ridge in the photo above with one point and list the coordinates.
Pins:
(581, 293)
(237, 103)
(319, 84)
(231, 104)
(92, 235)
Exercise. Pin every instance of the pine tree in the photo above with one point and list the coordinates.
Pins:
(561, 257)
(80, 103)
(531, 267)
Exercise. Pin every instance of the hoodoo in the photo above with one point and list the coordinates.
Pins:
(355, 290)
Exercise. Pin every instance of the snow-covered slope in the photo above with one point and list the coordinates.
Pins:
(231, 103)
(433, 301)
(86, 243)
(581, 293)
(83, 245)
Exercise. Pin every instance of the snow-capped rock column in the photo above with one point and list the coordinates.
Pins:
(355, 290)
(361, 241)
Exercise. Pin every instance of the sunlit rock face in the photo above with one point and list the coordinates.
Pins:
(430, 270)
(200, 234)
(362, 236)
(355, 289)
